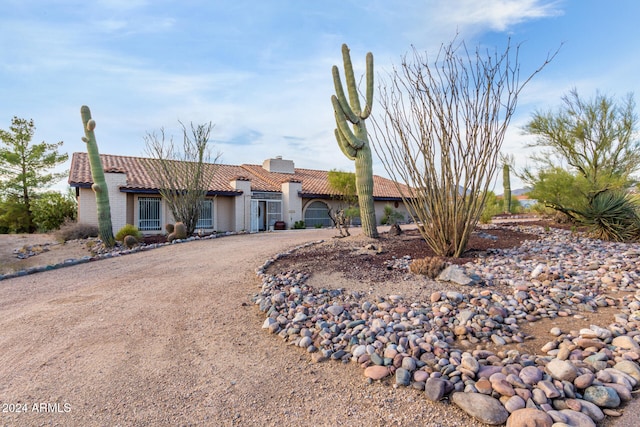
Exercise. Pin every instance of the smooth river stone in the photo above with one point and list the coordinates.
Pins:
(435, 389)
(529, 417)
(584, 380)
(577, 419)
(630, 368)
(482, 407)
(530, 375)
(625, 342)
(605, 397)
(376, 372)
(562, 370)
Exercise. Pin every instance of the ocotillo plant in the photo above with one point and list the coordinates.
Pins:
(99, 186)
(506, 183)
(355, 143)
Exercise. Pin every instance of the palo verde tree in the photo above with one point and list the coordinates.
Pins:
(99, 185)
(26, 167)
(355, 143)
(594, 141)
(441, 131)
(343, 189)
(183, 174)
(591, 146)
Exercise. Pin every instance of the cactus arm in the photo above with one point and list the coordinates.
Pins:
(342, 99)
(349, 152)
(369, 106)
(349, 77)
(97, 175)
(341, 121)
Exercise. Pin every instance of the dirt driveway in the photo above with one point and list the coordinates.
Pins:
(169, 337)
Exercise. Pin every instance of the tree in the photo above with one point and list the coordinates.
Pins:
(593, 141)
(183, 177)
(355, 143)
(343, 189)
(441, 131)
(25, 167)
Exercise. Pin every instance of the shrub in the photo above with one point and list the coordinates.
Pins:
(390, 216)
(612, 215)
(72, 230)
(429, 266)
(494, 206)
(298, 225)
(51, 209)
(128, 230)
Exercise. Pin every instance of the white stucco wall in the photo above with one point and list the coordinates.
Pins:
(242, 206)
(87, 207)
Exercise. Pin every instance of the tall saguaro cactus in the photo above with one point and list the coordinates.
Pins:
(355, 143)
(506, 183)
(97, 174)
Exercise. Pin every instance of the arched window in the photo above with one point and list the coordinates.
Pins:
(317, 213)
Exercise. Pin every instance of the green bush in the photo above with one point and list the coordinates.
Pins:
(390, 216)
(494, 206)
(13, 216)
(51, 209)
(128, 230)
(72, 230)
(298, 225)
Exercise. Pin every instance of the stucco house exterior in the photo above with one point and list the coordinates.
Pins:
(241, 198)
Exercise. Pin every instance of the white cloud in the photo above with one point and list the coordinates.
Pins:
(496, 15)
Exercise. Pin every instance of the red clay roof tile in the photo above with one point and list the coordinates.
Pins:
(314, 182)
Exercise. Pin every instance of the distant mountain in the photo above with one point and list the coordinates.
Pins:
(516, 193)
(520, 191)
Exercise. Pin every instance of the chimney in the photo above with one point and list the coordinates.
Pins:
(279, 165)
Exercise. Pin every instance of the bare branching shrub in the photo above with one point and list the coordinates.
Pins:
(441, 132)
(429, 266)
(183, 175)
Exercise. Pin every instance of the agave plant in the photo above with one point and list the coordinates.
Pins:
(612, 215)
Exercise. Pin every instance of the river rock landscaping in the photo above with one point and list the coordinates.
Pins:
(470, 345)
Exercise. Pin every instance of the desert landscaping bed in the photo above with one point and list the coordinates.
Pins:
(524, 342)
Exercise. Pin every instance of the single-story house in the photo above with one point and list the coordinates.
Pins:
(240, 198)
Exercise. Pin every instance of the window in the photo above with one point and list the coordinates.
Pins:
(205, 219)
(149, 211)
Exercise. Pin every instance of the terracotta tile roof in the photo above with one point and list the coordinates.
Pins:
(314, 182)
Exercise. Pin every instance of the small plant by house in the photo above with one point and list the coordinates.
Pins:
(390, 216)
(298, 225)
(176, 231)
(72, 230)
(128, 230)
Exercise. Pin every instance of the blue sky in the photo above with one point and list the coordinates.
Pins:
(261, 70)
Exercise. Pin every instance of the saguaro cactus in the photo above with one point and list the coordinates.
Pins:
(97, 174)
(506, 183)
(355, 143)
